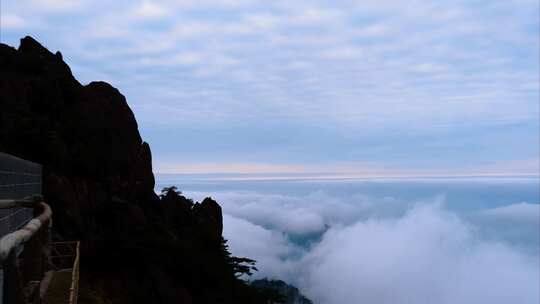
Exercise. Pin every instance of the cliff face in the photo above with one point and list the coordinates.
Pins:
(136, 246)
(86, 137)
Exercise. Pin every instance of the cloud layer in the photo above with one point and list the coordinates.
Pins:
(427, 256)
(456, 79)
(436, 62)
(373, 250)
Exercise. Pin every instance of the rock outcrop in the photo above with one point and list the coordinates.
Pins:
(290, 294)
(86, 137)
(136, 246)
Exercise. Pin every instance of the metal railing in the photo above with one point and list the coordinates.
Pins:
(65, 257)
(74, 289)
(13, 217)
(23, 275)
(14, 239)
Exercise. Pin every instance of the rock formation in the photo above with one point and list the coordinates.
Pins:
(136, 246)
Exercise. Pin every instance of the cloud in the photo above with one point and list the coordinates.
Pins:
(285, 214)
(374, 30)
(317, 16)
(54, 6)
(428, 68)
(343, 53)
(427, 256)
(521, 212)
(382, 250)
(149, 11)
(9, 21)
(401, 70)
(270, 248)
(517, 224)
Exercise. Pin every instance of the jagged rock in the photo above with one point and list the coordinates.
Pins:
(97, 177)
(177, 209)
(209, 212)
(85, 136)
(143, 176)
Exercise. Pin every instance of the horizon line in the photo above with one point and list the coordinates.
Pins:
(293, 176)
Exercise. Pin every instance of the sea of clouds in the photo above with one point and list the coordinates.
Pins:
(363, 249)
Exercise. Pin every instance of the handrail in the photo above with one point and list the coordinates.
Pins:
(74, 288)
(13, 240)
(68, 251)
(27, 202)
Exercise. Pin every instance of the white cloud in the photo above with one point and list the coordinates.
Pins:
(427, 256)
(265, 21)
(149, 11)
(366, 69)
(380, 250)
(182, 58)
(198, 29)
(317, 16)
(512, 223)
(343, 53)
(522, 212)
(281, 213)
(9, 21)
(374, 30)
(428, 68)
(271, 248)
(54, 6)
(305, 215)
(220, 4)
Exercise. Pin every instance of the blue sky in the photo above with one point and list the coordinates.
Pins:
(310, 87)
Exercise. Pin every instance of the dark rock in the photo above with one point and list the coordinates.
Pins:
(291, 294)
(209, 212)
(97, 177)
(177, 209)
(85, 136)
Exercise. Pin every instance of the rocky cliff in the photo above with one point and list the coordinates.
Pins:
(137, 247)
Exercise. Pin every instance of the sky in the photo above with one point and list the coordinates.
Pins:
(346, 88)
